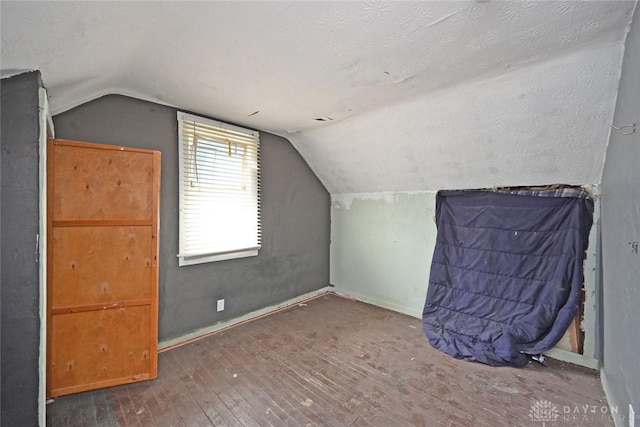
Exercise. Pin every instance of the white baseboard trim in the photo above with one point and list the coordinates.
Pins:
(575, 358)
(201, 333)
(617, 420)
(379, 303)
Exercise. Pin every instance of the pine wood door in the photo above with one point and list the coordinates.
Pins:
(102, 267)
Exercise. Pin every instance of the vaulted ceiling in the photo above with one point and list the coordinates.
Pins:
(376, 96)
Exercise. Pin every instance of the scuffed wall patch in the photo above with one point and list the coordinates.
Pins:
(345, 201)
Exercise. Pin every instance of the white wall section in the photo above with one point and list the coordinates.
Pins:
(543, 124)
(381, 248)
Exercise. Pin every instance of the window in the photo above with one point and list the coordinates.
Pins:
(219, 190)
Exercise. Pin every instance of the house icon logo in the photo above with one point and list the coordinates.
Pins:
(544, 411)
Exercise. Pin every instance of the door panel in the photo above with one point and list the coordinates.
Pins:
(88, 177)
(102, 269)
(96, 265)
(99, 347)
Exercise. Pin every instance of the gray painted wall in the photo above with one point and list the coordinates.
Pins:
(0, 277)
(620, 229)
(294, 258)
(19, 298)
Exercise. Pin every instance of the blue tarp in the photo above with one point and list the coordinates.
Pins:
(507, 272)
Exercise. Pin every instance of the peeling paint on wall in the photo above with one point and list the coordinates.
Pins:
(344, 201)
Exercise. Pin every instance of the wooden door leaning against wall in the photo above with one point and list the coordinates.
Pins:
(102, 265)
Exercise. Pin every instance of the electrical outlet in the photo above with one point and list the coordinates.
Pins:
(221, 305)
(632, 416)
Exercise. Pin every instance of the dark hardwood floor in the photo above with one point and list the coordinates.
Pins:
(337, 362)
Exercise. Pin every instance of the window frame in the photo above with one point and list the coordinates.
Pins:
(184, 258)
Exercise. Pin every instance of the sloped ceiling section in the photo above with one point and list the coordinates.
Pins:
(377, 96)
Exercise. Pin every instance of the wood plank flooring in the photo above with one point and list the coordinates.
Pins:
(336, 362)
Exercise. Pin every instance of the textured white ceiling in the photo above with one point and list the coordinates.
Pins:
(411, 95)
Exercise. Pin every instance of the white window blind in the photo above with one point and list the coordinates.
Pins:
(219, 190)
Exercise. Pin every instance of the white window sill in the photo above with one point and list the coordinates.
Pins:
(201, 259)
